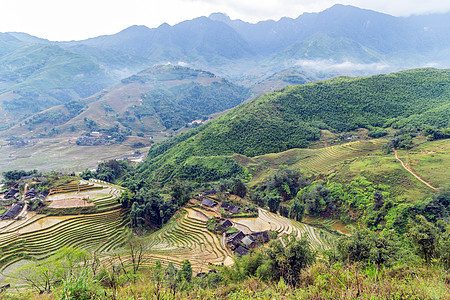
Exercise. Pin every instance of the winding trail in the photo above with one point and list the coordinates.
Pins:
(410, 171)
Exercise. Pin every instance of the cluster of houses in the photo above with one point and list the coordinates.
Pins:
(12, 193)
(94, 140)
(241, 243)
(231, 208)
(33, 194)
(35, 198)
(238, 242)
(352, 138)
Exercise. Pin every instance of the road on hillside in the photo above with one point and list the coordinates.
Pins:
(410, 171)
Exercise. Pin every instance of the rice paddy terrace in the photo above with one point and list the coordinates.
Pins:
(41, 235)
(186, 237)
(311, 161)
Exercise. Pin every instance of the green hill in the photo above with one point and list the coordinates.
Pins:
(154, 100)
(39, 76)
(293, 117)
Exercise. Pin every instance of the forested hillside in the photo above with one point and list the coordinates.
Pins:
(153, 100)
(39, 76)
(293, 117)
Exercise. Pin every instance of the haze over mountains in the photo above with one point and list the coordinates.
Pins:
(36, 74)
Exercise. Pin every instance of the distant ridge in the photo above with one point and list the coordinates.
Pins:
(341, 40)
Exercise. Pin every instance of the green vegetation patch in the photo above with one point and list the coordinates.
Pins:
(213, 168)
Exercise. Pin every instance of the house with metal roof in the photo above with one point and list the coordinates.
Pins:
(234, 240)
(241, 251)
(226, 224)
(260, 237)
(12, 212)
(248, 242)
(208, 203)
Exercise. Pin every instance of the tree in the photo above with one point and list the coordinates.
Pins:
(444, 248)
(87, 174)
(181, 192)
(364, 245)
(126, 199)
(425, 238)
(137, 251)
(150, 208)
(286, 182)
(289, 257)
(158, 276)
(112, 170)
(238, 187)
(317, 198)
(170, 276)
(42, 275)
(297, 210)
(185, 274)
(273, 202)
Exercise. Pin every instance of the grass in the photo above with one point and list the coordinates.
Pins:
(429, 160)
(319, 281)
(363, 158)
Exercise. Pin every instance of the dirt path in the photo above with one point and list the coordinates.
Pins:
(410, 171)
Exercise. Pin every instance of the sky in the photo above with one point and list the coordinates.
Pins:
(62, 20)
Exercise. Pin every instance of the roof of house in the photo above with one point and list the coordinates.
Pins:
(42, 195)
(28, 177)
(226, 223)
(247, 240)
(12, 212)
(211, 192)
(208, 202)
(234, 209)
(261, 236)
(11, 193)
(241, 251)
(236, 238)
(31, 192)
(229, 207)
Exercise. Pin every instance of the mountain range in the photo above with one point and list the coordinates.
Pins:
(298, 115)
(37, 74)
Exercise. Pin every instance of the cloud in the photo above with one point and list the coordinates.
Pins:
(183, 64)
(329, 65)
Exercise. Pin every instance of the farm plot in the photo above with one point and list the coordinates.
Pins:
(319, 239)
(186, 237)
(326, 159)
(40, 236)
(311, 161)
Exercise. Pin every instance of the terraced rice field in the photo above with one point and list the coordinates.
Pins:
(326, 159)
(319, 239)
(186, 237)
(312, 161)
(39, 236)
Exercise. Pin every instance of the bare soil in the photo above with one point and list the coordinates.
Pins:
(70, 202)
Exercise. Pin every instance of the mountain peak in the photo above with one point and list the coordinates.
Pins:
(219, 17)
(136, 29)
